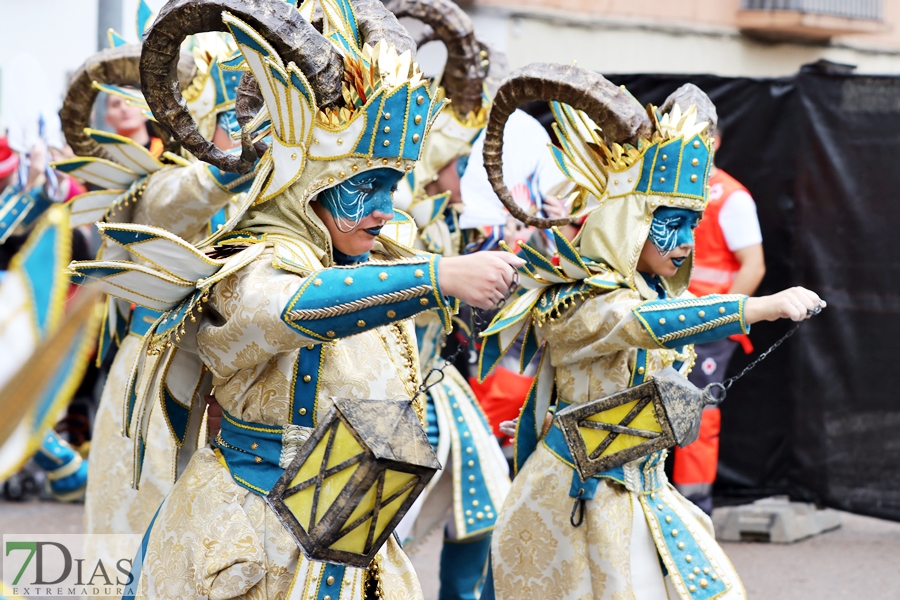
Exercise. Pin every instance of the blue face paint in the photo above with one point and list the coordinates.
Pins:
(228, 121)
(361, 195)
(673, 227)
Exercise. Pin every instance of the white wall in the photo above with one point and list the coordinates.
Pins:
(629, 46)
(41, 43)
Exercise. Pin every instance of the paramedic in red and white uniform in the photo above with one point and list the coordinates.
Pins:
(728, 259)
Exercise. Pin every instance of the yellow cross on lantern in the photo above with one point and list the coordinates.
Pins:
(608, 432)
(353, 480)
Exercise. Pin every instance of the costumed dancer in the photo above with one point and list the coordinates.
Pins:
(612, 315)
(475, 478)
(45, 353)
(536, 184)
(189, 199)
(28, 190)
(304, 299)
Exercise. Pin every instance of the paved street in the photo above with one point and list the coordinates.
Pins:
(857, 561)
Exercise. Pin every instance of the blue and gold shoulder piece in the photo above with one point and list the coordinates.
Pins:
(341, 301)
(676, 322)
(559, 298)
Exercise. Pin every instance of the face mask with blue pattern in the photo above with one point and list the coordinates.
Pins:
(672, 227)
(353, 200)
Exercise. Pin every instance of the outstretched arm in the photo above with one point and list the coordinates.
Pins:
(261, 311)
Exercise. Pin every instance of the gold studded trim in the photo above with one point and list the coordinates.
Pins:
(689, 303)
(675, 335)
(313, 314)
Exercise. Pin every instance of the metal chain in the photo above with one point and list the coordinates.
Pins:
(724, 386)
(479, 324)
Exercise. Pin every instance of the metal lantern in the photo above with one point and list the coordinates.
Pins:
(353, 480)
(606, 433)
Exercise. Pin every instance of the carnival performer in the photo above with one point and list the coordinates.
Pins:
(308, 296)
(475, 470)
(45, 353)
(171, 191)
(26, 196)
(611, 316)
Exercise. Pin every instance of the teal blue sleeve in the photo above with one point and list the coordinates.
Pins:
(674, 323)
(235, 183)
(342, 301)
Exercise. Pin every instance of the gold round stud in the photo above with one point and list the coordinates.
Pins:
(418, 120)
(662, 168)
(330, 580)
(416, 138)
(302, 411)
(355, 168)
(662, 321)
(342, 174)
(662, 179)
(423, 301)
(348, 281)
(693, 178)
(331, 180)
(681, 318)
(307, 378)
(387, 129)
(641, 370)
(293, 156)
(340, 141)
(329, 334)
(696, 143)
(420, 100)
(665, 156)
(384, 161)
(695, 162)
(254, 446)
(360, 323)
(391, 314)
(368, 163)
(386, 143)
(257, 460)
(721, 310)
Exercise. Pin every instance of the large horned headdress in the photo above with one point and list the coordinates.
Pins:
(467, 59)
(602, 129)
(625, 160)
(334, 103)
(114, 67)
(462, 82)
